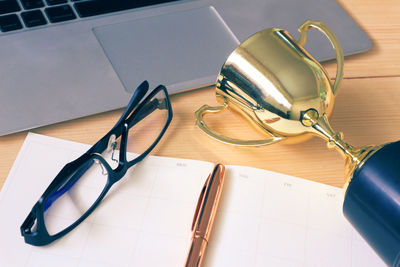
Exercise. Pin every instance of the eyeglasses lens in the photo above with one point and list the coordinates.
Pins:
(73, 198)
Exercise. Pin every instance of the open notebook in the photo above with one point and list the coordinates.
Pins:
(264, 218)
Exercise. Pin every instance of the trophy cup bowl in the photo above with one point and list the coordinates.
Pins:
(282, 90)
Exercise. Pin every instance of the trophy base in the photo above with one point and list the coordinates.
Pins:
(372, 202)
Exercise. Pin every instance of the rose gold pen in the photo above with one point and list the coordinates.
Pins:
(204, 215)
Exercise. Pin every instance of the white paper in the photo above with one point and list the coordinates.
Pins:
(264, 218)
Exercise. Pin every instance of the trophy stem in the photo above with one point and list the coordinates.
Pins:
(334, 139)
(354, 157)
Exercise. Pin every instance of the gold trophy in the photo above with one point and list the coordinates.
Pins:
(280, 88)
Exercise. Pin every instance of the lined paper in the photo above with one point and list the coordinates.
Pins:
(264, 218)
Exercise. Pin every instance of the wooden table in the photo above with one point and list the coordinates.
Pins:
(367, 111)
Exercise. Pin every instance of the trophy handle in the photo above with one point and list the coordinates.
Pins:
(237, 142)
(334, 41)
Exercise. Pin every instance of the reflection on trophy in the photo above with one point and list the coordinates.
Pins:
(280, 88)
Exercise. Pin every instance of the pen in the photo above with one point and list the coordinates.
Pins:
(204, 215)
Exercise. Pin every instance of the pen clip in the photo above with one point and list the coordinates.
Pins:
(200, 201)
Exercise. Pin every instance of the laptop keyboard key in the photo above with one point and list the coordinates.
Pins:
(33, 18)
(7, 6)
(55, 2)
(30, 4)
(10, 23)
(99, 7)
(60, 13)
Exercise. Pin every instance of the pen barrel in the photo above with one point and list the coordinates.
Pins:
(372, 202)
(205, 215)
(196, 252)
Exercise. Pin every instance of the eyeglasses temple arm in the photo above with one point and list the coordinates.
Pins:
(144, 112)
(133, 119)
(139, 93)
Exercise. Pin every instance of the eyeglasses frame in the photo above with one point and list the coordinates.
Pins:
(129, 118)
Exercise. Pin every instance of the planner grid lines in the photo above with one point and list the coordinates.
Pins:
(264, 218)
(299, 224)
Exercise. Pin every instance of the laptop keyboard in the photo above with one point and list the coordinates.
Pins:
(21, 14)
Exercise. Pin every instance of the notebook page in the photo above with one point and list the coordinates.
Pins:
(264, 218)
(148, 213)
(271, 219)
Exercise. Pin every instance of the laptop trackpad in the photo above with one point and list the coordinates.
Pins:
(180, 50)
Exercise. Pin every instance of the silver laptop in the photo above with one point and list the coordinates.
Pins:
(64, 59)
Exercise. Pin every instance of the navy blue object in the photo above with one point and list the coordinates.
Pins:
(33, 229)
(372, 202)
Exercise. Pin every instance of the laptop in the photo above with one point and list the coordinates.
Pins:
(64, 59)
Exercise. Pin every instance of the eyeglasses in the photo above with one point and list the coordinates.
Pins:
(81, 185)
